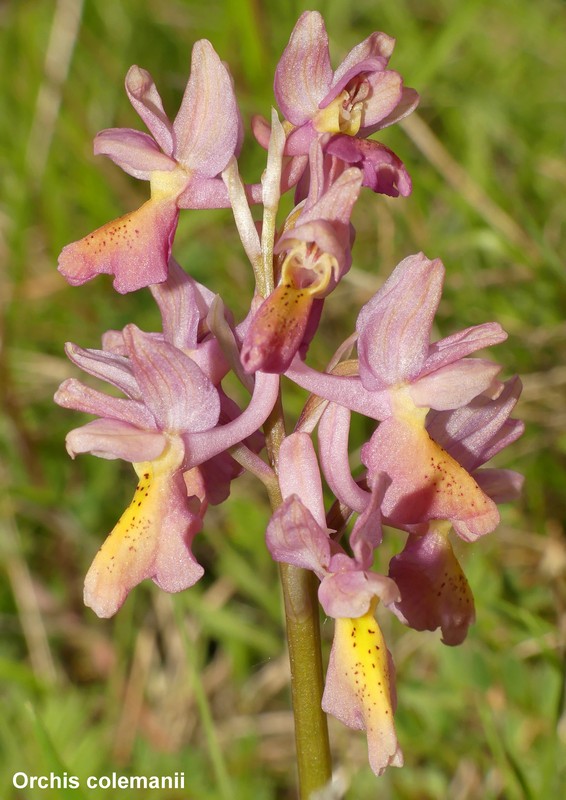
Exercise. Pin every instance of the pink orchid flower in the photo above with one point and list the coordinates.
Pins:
(401, 377)
(343, 107)
(166, 425)
(359, 689)
(314, 253)
(434, 589)
(182, 161)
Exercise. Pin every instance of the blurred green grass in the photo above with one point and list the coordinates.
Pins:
(487, 157)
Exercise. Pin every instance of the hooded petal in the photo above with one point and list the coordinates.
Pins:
(502, 485)
(377, 48)
(207, 127)
(394, 326)
(406, 105)
(294, 537)
(351, 592)
(434, 590)
(177, 392)
(151, 540)
(181, 305)
(359, 688)
(134, 248)
(304, 74)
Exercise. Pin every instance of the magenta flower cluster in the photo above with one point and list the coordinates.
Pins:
(441, 412)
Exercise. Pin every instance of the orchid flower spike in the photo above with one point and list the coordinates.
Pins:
(359, 688)
(166, 425)
(434, 590)
(342, 107)
(314, 252)
(401, 377)
(182, 161)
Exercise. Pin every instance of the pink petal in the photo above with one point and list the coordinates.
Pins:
(367, 534)
(204, 193)
(350, 593)
(406, 105)
(134, 152)
(108, 366)
(476, 432)
(300, 139)
(383, 172)
(181, 307)
(304, 74)
(333, 443)
(394, 326)
(111, 438)
(385, 93)
(145, 99)
(502, 485)
(454, 385)
(294, 537)
(80, 397)
(207, 127)
(461, 344)
(177, 392)
(426, 482)
(434, 590)
(335, 204)
(299, 474)
(216, 475)
(378, 47)
(134, 248)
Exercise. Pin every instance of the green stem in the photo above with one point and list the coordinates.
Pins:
(298, 585)
(303, 639)
(307, 683)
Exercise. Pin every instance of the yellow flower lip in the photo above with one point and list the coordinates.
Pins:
(344, 113)
(308, 269)
(362, 674)
(169, 183)
(130, 552)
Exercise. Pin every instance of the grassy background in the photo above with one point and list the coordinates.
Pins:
(198, 682)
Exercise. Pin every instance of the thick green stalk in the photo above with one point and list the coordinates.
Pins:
(299, 586)
(303, 639)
